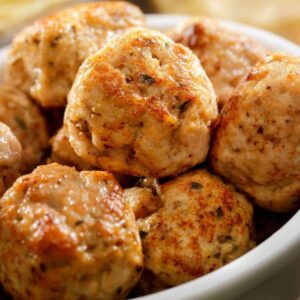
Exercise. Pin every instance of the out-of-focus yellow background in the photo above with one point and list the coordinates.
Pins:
(279, 16)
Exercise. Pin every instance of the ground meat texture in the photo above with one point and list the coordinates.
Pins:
(202, 225)
(63, 153)
(141, 106)
(68, 235)
(27, 123)
(142, 200)
(257, 143)
(45, 56)
(225, 55)
(10, 157)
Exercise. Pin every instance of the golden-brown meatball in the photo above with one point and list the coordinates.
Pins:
(257, 143)
(44, 57)
(25, 120)
(225, 55)
(10, 157)
(141, 106)
(63, 153)
(68, 235)
(202, 225)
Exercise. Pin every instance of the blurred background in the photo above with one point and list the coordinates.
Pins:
(279, 16)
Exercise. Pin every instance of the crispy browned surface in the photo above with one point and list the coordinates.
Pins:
(25, 120)
(202, 225)
(10, 157)
(225, 55)
(68, 235)
(141, 106)
(45, 56)
(257, 143)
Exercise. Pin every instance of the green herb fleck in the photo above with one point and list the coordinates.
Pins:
(219, 212)
(79, 222)
(20, 122)
(147, 79)
(224, 238)
(143, 234)
(196, 185)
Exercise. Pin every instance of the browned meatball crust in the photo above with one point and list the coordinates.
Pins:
(225, 55)
(26, 121)
(141, 106)
(45, 56)
(68, 235)
(257, 143)
(202, 225)
(10, 157)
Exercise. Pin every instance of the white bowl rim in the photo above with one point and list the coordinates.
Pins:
(254, 266)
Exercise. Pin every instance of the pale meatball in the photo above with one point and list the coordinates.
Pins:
(44, 57)
(225, 55)
(63, 153)
(202, 225)
(68, 235)
(141, 106)
(10, 157)
(142, 200)
(27, 123)
(257, 143)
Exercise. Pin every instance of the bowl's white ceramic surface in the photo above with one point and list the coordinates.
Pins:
(282, 247)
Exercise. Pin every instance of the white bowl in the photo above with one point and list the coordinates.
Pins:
(270, 256)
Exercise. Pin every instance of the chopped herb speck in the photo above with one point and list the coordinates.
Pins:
(147, 79)
(196, 185)
(219, 212)
(20, 122)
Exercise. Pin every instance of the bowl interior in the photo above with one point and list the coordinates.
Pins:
(268, 257)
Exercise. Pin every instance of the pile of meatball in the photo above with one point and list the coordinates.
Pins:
(131, 160)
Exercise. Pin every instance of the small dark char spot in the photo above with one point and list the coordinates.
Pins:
(217, 255)
(36, 40)
(43, 267)
(128, 79)
(196, 185)
(79, 222)
(55, 40)
(147, 79)
(143, 234)
(268, 87)
(219, 212)
(183, 107)
(260, 130)
(20, 122)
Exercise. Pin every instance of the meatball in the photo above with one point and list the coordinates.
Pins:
(142, 200)
(202, 225)
(68, 235)
(10, 157)
(225, 55)
(257, 143)
(63, 153)
(27, 123)
(44, 57)
(141, 106)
